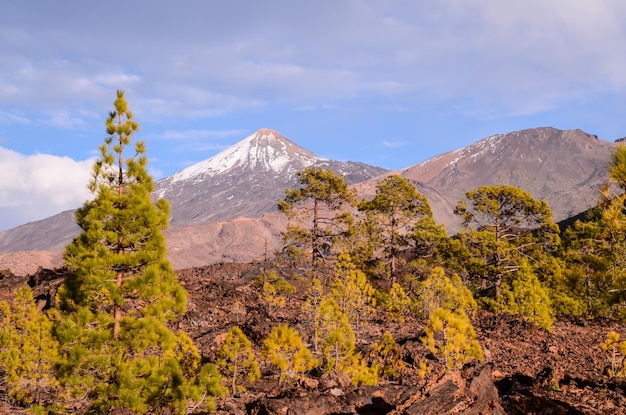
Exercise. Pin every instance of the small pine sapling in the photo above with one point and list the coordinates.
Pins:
(451, 336)
(385, 357)
(28, 351)
(285, 349)
(235, 357)
(273, 287)
(616, 353)
(398, 304)
(333, 331)
(527, 298)
(352, 292)
(439, 290)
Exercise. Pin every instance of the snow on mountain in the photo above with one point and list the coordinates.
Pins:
(564, 167)
(246, 179)
(265, 150)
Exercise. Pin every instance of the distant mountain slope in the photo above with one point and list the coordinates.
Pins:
(563, 167)
(245, 180)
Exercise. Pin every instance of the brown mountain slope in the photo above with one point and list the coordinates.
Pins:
(245, 180)
(563, 167)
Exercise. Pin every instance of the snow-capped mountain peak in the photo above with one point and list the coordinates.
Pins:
(264, 150)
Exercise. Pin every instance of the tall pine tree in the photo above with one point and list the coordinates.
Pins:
(116, 347)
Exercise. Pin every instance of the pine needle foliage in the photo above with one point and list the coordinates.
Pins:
(439, 290)
(451, 336)
(396, 209)
(528, 298)
(386, 357)
(352, 291)
(318, 214)
(616, 354)
(236, 360)
(502, 226)
(28, 351)
(285, 349)
(116, 349)
(273, 286)
(398, 303)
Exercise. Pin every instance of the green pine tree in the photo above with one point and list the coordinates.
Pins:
(285, 349)
(396, 209)
(451, 336)
(28, 351)
(317, 214)
(235, 357)
(338, 347)
(503, 225)
(528, 298)
(352, 292)
(439, 290)
(116, 348)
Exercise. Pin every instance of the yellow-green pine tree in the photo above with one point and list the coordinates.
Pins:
(451, 336)
(616, 352)
(352, 291)
(398, 303)
(439, 290)
(528, 298)
(285, 349)
(386, 357)
(235, 357)
(28, 351)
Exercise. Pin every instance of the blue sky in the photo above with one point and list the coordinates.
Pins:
(390, 83)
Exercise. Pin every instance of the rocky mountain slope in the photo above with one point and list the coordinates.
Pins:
(525, 370)
(245, 180)
(564, 167)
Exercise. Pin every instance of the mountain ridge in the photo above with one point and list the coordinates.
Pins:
(244, 180)
(564, 167)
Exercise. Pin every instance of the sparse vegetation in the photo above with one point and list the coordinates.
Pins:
(114, 339)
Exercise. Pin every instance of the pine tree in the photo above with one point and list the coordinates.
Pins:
(398, 303)
(316, 213)
(616, 352)
(386, 357)
(397, 208)
(285, 349)
(439, 290)
(332, 327)
(451, 336)
(352, 292)
(28, 351)
(504, 224)
(236, 359)
(273, 287)
(528, 298)
(122, 291)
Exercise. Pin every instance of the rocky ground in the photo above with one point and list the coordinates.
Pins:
(526, 370)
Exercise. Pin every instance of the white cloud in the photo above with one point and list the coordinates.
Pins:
(36, 186)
